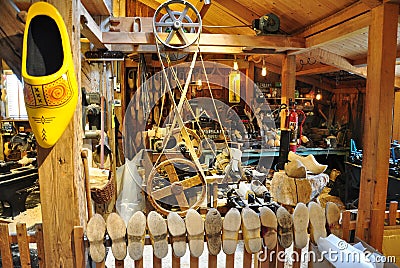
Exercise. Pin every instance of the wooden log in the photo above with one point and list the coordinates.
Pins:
(23, 245)
(290, 191)
(382, 43)
(5, 250)
(40, 245)
(61, 188)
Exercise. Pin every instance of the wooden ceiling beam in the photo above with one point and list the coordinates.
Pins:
(237, 10)
(152, 4)
(345, 14)
(203, 10)
(363, 61)
(91, 30)
(129, 48)
(317, 70)
(97, 7)
(233, 40)
(372, 3)
(335, 60)
(340, 31)
(323, 83)
(341, 63)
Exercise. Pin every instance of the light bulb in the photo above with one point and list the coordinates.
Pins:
(199, 82)
(235, 65)
(264, 71)
(318, 96)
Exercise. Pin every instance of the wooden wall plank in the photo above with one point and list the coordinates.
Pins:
(378, 121)
(62, 193)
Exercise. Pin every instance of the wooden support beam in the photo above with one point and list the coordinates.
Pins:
(271, 41)
(204, 10)
(363, 61)
(340, 31)
(345, 14)
(317, 70)
(237, 10)
(396, 117)
(337, 61)
(323, 84)
(97, 7)
(288, 78)
(60, 173)
(153, 49)
(372, 3)
(382, 43)
(152, 3)
(91, 30)
(11, 34)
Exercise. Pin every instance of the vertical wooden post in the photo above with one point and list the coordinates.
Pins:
(40, 245)
(79, 247)
(5, 250)
(250, 83)
(396, 117)
(23, 245)
(61, 185)
(288, 78)
(382, 43)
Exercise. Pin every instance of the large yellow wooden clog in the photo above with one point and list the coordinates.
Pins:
(50, 86)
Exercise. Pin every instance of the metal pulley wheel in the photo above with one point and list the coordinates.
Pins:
(175, 185)
(177, 143)
(176, 29)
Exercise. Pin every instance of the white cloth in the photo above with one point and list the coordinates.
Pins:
(130, 198)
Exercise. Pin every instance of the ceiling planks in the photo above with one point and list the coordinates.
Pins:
(340, 31)
(237, 10)
(347, 13)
